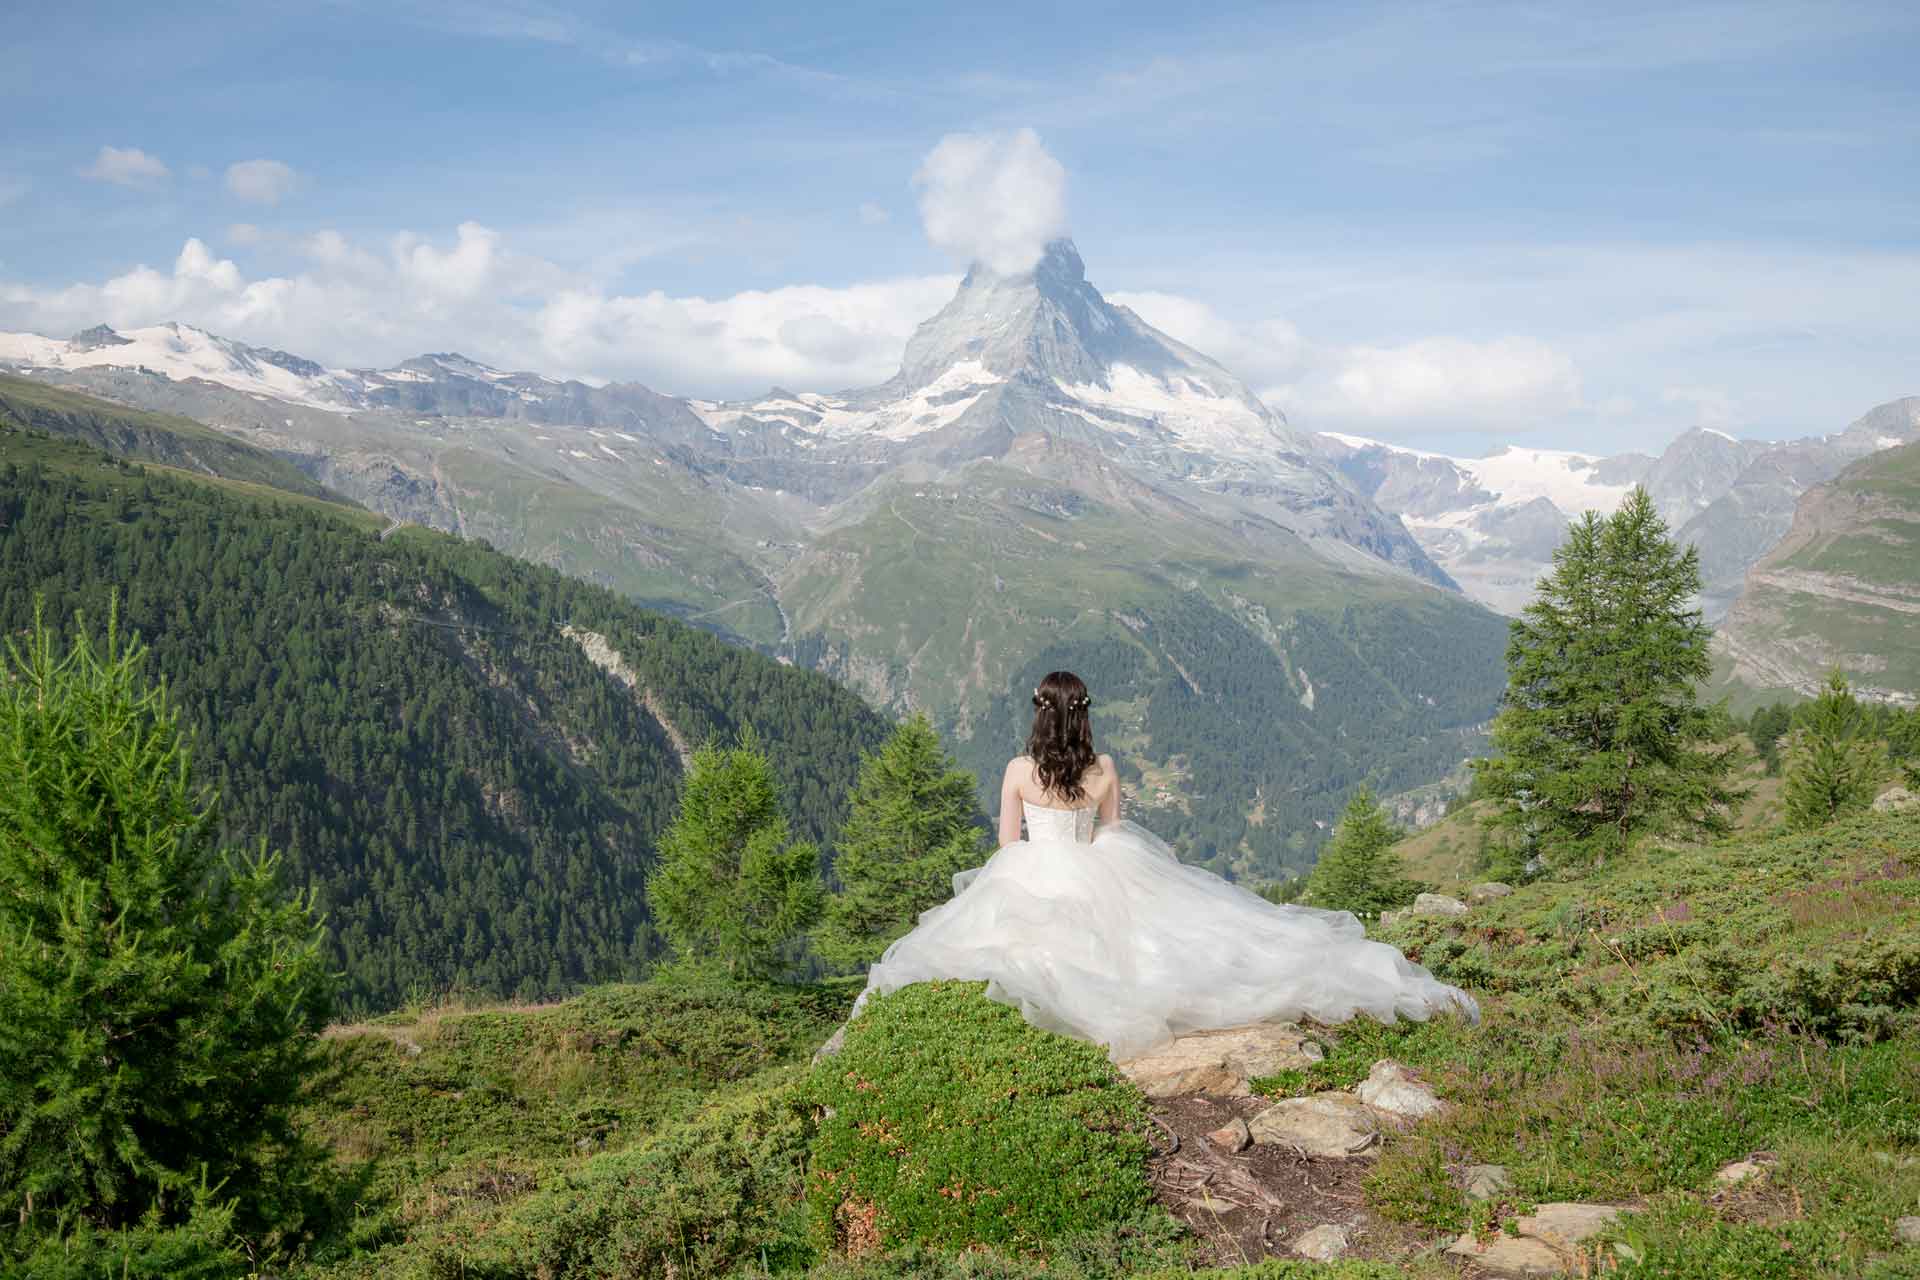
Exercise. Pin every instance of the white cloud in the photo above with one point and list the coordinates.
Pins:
(126, 167)
(359, 304)
(872, 215)
(1505, 384)
(993, 198)
(245, 233)
(260, 181)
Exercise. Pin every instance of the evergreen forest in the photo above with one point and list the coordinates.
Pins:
(414, 722)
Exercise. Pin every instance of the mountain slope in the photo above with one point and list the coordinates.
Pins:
(151, 437)
(1046, 475)
(1842, 589)
(1493, 522)
(466, 757)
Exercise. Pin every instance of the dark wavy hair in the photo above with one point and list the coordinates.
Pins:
(1061, 744)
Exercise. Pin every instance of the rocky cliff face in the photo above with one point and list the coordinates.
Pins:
(1840, 589)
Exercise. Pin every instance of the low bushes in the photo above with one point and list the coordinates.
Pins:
(950, 1121)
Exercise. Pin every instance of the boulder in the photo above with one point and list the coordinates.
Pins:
(1391, 917)
(1389, 1089)
(1564, 1224)
(1221, 1063)
(1329, 1124)
(1325, 1243)
(1232, 1137)
(1437, 904)
(1506, 1255)
(1732, 1175)
(1896, 800)
(1488, 891)
(1486, 1181)
(1907, 1230)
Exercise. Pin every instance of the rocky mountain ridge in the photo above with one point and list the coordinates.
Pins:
(1492, 522)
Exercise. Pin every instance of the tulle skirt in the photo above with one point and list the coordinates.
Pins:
(1118, 942)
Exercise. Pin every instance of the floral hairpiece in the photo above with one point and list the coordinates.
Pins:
(1046, 700)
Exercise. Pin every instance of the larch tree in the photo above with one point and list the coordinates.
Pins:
(912, 825)
(732, 886)
(160, 997)
(1834, 763)
(1359, 871)
(1602, 736)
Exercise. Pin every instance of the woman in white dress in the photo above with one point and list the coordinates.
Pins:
(1091, 927)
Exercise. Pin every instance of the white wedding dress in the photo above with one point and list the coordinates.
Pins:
(1105, 935)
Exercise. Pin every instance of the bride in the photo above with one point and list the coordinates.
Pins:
(1091, 927)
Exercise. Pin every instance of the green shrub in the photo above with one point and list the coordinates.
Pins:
(698, 1200)
(951, 1121)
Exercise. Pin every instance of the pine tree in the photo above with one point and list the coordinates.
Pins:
(1833, 764)
(1601, 736)
(1359, 871)
(732, 886)
(910, 829)
(159, 1001)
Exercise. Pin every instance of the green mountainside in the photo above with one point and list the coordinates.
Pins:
(1244, 683)
(1842, 589)
(467, 757)
(163, 438)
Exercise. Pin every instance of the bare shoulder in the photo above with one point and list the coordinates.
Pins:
(1019, 769)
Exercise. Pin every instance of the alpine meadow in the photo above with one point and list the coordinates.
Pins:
(960, 643)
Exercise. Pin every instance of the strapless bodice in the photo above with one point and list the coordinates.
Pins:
(1072, 825)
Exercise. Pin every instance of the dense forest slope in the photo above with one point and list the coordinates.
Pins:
(466, 757)
(1842, 589)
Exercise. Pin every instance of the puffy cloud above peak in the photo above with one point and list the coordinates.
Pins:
(126, 167)
(993, 198)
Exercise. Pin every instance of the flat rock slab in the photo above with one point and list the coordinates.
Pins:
(1322, 1244)
(1564, 1224)
(1907, 1230)
(1390, 1090)
(1732, 1175)
(1488, 890)
(1221, 1063)
(1330, 1124)
(1506, 1255)
(1437, 904)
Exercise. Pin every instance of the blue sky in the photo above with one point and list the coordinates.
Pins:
(1587, 225)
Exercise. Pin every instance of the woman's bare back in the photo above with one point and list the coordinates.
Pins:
(1019, 788)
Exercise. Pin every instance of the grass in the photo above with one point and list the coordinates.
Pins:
(1673, 1011)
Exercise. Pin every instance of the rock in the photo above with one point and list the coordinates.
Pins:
(1564, 1224)
(1326, 1124)
(1740, 1171)
(1896, 800)
(1506, 1255)
(1907, 1230)
(1488, 891)
(1486, 1181)
(1391, 917)
(1323, 1243)
(1388, 1088)
(1437, 904)
(1232, 1137)
(1221, 1063)
(832, 1046)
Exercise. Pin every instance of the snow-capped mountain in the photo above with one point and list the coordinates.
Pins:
(1043, 355)
(1492, 522)
(1041, 350)
(183, 353)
